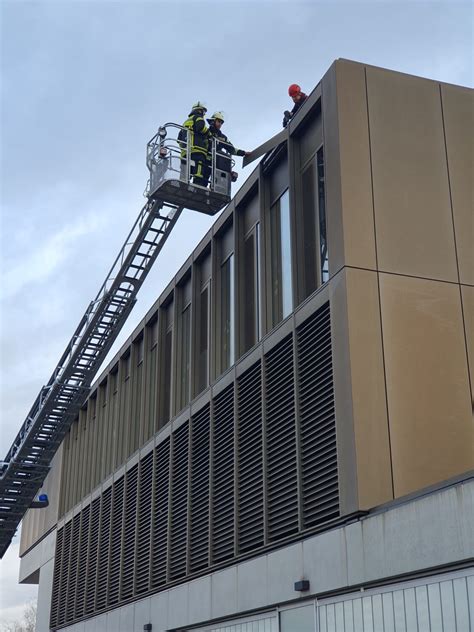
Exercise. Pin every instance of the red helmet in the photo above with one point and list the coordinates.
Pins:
(294, 89)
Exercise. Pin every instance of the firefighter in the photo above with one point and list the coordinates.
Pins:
(224, 148)
(299, 97)
(198, 136)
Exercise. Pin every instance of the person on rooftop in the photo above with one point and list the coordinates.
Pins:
(299, 97)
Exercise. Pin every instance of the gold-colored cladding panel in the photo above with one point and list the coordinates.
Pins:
(468, 308)
(347, 159)
(369, 404)
(431, 430)
(413, 220)
(356, 179)
(458, 112)
(361, 408)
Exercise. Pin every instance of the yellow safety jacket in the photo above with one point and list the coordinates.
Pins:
(198, 136)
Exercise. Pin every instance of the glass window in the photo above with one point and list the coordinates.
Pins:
(250, 289)
(139, 350)
(227, 354)
(298, 619)
(154, 333)
(281, 282)
(323, 244)
(309, 229)
(202, 380)
(185, 355)
(126, 366)
(166, 365)
(114, 380)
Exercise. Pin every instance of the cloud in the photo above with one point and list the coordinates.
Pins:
(43, 261)
(13, 596)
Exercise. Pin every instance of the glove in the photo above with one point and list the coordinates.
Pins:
(286, 118)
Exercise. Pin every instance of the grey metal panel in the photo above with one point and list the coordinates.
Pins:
(447, 605)
(422, 608)
(265, 147)
(434, 606)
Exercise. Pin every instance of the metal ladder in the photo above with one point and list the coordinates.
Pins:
(28, 461)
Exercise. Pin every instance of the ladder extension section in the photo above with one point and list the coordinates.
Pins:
(28, 461)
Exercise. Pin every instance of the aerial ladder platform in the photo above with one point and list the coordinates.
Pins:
(170, 189)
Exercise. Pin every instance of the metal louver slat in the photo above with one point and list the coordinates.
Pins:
(116, 542)
(215, 487)
(179, 502)
(199, 519)
(223, 476)
(143, 557)
(64, 573)
(160, 516)
(317, 419)
(250, 460)
(91, 574)
(82, 564)
(280, 435)
(103, 550)
(58, 558)
(129, 530)
(72, 581)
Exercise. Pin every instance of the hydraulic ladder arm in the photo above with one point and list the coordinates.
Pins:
(57, 405)
(170, 189)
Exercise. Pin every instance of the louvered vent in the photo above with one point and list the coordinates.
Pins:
(129, 530)
(161, 512)
(282, 489)
(72, 581)
(91, 576)
(199, 525)
(250, 459)
(145, 490)
(103, 551)
(56, 578)
(179, 503)
(116, 541)
(82, 565)
(64, 573)
(318, 421)
(223, 476)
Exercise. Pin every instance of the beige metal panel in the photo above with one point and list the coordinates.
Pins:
(430, 415)
(354, 156)
(361, 408)
(468, 309)
(458, 112)
(350, 216)
(346, 454)
(369, 402)
(414, 226)
(37, 522)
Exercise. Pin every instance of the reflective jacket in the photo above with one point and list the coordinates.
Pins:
(223, 147)
(198, 134)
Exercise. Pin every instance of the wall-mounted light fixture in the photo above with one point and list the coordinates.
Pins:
(302, 585)
(147, 627)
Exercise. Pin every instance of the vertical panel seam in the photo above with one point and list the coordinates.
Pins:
(455, 242)
(378, 284)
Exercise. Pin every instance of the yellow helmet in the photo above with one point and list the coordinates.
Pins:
(217, 115)
(199, 105)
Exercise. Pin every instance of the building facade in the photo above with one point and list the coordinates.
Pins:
(286, 442)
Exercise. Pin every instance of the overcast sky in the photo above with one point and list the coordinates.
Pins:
(85, 85)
